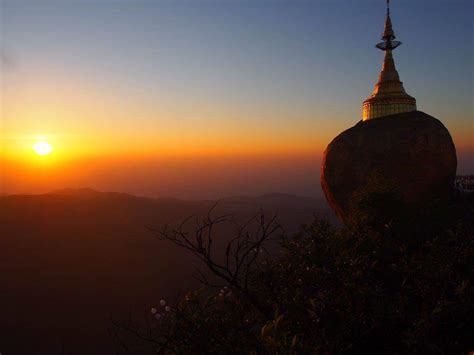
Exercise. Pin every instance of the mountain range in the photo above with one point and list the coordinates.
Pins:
(73, 259)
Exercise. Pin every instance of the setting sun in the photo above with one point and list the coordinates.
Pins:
(42, 148)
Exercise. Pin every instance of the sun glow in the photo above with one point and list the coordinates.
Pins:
(42, 148)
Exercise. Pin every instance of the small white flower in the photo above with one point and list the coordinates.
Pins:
(153, 310)
(167, 308)
(162, 302)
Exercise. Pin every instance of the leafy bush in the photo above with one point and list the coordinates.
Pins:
(391, 283)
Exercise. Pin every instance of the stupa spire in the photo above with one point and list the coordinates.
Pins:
(389, 96)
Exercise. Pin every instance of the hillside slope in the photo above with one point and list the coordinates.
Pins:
(72, 259)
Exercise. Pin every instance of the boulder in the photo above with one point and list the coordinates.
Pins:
(413, 149)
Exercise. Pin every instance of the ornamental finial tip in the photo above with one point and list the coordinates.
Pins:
(388, 34)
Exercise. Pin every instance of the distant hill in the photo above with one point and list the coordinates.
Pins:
(72, 258)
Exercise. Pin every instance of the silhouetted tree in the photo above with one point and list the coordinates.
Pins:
(392, 283)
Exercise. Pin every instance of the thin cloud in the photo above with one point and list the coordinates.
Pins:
(7, 59)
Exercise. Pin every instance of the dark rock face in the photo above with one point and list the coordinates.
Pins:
(413, 149)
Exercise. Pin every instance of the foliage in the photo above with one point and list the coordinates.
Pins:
(402, 286)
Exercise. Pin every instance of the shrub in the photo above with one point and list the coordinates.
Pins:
(387, 285)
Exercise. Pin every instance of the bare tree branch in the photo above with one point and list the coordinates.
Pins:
(241, 252)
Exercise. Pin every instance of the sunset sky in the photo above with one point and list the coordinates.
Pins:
(202, 99)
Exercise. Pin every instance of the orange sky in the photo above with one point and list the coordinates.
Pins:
(168, 149)
(180, 149)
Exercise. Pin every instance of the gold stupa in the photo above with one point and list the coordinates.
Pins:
(389, 96)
